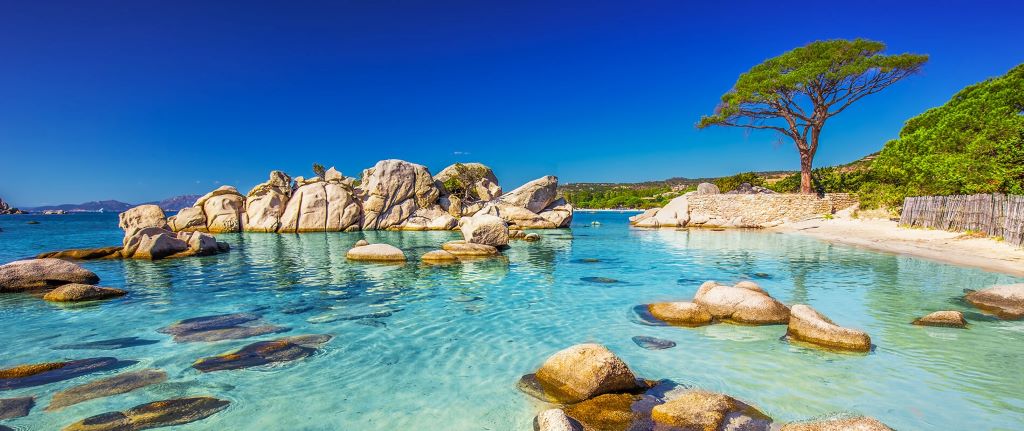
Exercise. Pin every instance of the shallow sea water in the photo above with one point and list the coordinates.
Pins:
(442, 347)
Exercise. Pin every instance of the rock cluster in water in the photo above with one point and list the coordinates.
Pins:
(6, 209)
(590, 388)
(394, 194)
(157, 414)
(1005, 301)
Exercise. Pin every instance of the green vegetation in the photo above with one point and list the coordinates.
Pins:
(972, 144)
(726, 184)
(619, 196)
(797, 92)
(462, 184)
(319, 170)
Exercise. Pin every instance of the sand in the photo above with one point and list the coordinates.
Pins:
(886, 236)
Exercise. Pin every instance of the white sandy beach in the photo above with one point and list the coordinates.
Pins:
(885, 235)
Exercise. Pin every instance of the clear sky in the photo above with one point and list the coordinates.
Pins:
(142, 100)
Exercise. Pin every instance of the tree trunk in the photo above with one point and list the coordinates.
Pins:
(805, 173)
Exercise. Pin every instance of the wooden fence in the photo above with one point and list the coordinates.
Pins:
(994, 214)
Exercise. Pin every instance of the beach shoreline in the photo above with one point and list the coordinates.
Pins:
(953, 248)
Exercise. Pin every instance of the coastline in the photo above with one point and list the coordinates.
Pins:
(611, 210)
(886, 236)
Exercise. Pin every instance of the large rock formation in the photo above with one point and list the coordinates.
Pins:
(393, 191)
(535, 195)
(141, 217)
(224, 209)
(680, 313)
(265, 203)
(702, 410)
(468, 182)
(322, 205)
(1005, 301)
(485, 229)
(6, 209)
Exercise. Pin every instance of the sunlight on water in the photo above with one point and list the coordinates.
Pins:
(441, 347)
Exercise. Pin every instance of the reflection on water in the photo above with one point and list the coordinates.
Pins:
(440, 347)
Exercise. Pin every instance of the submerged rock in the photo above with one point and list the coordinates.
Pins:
(230, 333)
(584, 371)
(608, 412)
(175, 411)
(119, 384)
(42, 273)
(283, 349)
(680, 313)
(360, 243)
(702, 410)
(1005, 301)
(25, 376)
(807, 324)
(948, 318)
(652, 343)
(601, 280)
(376, 253)
(461, 248)
(555, 420)
(75, 292)
(111, 344)
(113, 252)
(860, 423)
(745, 303)
(16, 407)
(207, 323)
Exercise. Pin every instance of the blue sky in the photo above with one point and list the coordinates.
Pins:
(140, 101)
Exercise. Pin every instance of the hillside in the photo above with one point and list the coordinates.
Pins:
(170, 204)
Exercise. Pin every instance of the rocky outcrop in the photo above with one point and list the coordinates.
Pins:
(119, 384)
(75, 292)
(431, 218)
(467, 249)
(744, 303)
(322, 205)
(157, 414)
(808, 325)
(265, 203)
(703, 410)
(584, 371)
(535, 195)
(675, 213)
(393, 190)
(485, 229)
(468, 182)
(141, 217)
(188, 219)
(1005, 301)
(376, 253)
(6, 209)
(224, 209)
(859, 423)
(559, 213)
(42, 273)
(438, 256)
(113, 252)
(947, 318)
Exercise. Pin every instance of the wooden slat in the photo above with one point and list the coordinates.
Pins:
(996, 214)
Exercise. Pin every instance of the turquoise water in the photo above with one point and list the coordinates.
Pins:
(444, 346)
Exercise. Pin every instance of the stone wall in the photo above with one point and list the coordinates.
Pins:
(742, 210)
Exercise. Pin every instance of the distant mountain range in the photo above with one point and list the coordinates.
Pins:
(170, 204)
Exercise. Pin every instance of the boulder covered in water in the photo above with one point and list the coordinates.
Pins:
(439, 256)
(153, 244)
(808, 325)
(11, 408)
(157, 414)
(285, 349)
(1005, 301)
(680, 313)
(75, 292)
(119, 384)
(485, 229)
(42, 273)
(703, 410)
(113, 252)
(746, 303)
(376, 253)
(947, 318)
(858, 423)
(25, 376)
(584, 371)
